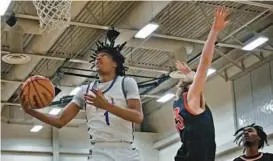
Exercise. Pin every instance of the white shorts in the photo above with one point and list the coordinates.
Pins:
(113, 152)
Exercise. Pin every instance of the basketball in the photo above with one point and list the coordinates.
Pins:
(38, 91)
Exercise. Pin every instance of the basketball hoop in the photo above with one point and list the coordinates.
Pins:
(53, 14)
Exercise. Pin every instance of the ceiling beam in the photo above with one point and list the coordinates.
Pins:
(229, 59)
(257, 4)
(101, 27)
(252, 67)
(234, 32)
(245, 24)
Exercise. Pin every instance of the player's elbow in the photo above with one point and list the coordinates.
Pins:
(59, 124)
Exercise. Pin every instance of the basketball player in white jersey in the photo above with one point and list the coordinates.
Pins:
(112, 106)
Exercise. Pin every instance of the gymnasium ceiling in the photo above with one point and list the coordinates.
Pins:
(183, 29)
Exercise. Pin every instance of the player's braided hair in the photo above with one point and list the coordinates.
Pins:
(239, 135)
(114, 51)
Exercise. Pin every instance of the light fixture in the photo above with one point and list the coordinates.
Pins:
(74, 91)
(165, 98)
(36, 128)
(146, 30)
(55, 111)
(255, 43)
(210, 71)
(4, 4)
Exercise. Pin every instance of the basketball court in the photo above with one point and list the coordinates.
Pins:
(53, 40)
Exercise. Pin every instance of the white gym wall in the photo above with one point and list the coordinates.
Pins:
(68, 143)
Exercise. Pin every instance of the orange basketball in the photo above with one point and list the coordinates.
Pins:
(39, 91)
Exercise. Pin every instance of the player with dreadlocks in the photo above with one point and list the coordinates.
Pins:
(112, 105)
(253, 138)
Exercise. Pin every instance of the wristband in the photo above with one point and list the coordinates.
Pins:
(182, 76)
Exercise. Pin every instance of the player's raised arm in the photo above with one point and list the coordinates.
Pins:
(195, 90)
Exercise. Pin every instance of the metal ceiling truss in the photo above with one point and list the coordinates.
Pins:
(162, 71)
(257, 4)
(101, 27)
(234, 62)
(160, 36)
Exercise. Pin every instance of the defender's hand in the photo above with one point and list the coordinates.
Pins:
(220, 15)
(182, 67)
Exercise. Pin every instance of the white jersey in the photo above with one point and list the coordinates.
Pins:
(104, 126)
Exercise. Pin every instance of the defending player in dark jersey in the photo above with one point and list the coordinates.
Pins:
(253, 138)
(193, 118)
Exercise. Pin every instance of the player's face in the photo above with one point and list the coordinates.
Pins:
(104, 63)
(250, 136)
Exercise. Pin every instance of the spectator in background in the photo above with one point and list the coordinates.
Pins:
(253, 138)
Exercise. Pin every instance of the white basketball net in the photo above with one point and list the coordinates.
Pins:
(53, 14)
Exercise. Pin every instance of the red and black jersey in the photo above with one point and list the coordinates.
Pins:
(196, 131)
(259, 157)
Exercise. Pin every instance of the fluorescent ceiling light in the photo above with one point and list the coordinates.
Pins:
(255, 43)
(210, 71)
(4, 4)
(146, 30)
(74, 91)
(36, 128)
(55, 111)
(165, 98)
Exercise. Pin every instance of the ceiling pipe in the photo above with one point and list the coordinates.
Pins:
(84, 61)
(93, 71)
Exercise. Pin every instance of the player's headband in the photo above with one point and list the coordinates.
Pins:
(185, 79)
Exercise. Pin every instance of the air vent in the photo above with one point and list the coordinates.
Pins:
(16, 58)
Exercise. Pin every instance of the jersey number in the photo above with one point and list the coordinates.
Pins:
(178, 119)
(106, 114)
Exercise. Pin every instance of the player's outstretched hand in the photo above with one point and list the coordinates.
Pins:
(220, 22)
(182, 67)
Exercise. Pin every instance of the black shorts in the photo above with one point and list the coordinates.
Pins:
(202, 150)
